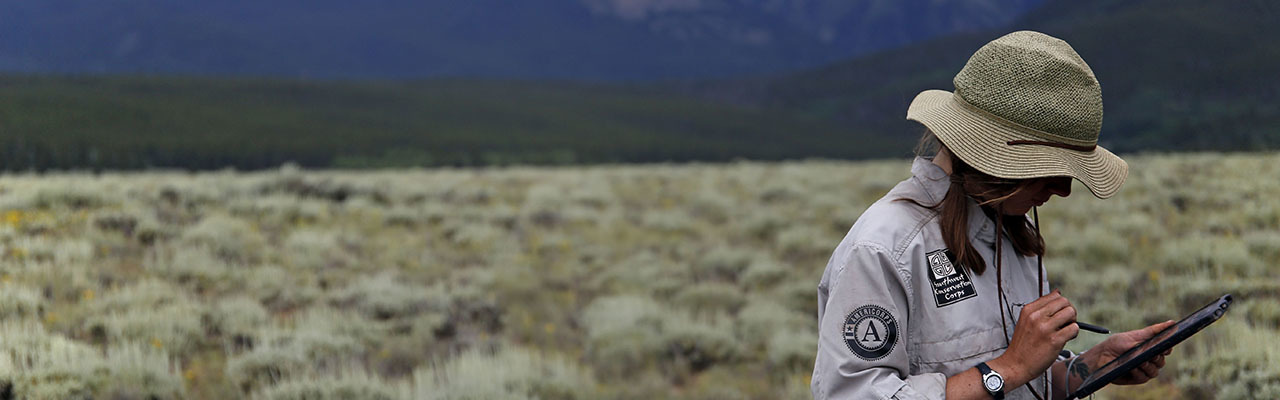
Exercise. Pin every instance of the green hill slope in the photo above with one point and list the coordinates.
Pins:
(48, 122)
(1176, 75)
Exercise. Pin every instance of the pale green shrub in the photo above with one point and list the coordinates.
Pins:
(18, 302)
(479, 237)
(48, 366)
(1231, 359)
(146, 294)
(508, 373)
(124, 222)
(350, 385)
(52, 250)
(386, 296)
(152, 312)
(763, 225)
(325, 350)
(698, 344)
(669, 221)
(174, 327)
(623, 332)
(798, 295)
(40, 365)
(761, 318)
(279, 289)
(1094, 246)
(723, 263)
(716, 384)
(139, 371)
(75, 197)
(1264, 245)
(711, 206)
(279, 209)
(316, 249)
(230, 239)
(711, 297)
(642, 272)
(151, 230)
(627, 332)
(1221, 257)
(267, 364)
(198, 267)
(803, 240)
(236, 320)
(793, 349)
(1262, 312)
(1115, 281)
(763, 273)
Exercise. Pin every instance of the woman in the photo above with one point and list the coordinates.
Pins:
(923, 298)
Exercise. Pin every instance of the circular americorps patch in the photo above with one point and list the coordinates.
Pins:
(871, 332)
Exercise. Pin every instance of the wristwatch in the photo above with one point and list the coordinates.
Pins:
(992, 381)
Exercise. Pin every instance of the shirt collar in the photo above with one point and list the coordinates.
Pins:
(936, 183)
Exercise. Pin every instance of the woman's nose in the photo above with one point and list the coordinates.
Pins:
(1060, 186)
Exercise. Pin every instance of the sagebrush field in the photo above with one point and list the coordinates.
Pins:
(627, 282)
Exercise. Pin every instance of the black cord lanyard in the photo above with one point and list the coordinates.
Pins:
(1004, 305)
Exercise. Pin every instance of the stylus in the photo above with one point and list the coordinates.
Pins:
(1092, 327)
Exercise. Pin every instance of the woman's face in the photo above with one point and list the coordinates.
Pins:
(1036, 193)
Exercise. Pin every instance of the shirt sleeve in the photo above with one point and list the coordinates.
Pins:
(862, 346)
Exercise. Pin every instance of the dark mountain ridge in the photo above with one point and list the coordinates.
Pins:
(394, 39)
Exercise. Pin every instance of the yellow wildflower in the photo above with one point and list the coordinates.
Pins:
(13, 217)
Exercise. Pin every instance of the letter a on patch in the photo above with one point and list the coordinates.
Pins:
(871, 332)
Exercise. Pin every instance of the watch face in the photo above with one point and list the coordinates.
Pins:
(993, 383)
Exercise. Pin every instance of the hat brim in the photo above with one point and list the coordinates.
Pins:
(983, 142)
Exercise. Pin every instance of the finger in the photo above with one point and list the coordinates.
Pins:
(1150, 369)
(1168, 352)
(1158, 361)
(1154, 329)
(1067, 333)
(1048, 309)
(1058, 302)
(1139, 375)
(1044, 299)
(1064, 317)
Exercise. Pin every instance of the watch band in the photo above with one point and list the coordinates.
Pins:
(986, 372)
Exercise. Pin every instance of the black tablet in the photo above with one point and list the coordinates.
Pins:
(1158, 343)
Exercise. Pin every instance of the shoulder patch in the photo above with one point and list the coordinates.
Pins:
(950, 284)
(871, 332)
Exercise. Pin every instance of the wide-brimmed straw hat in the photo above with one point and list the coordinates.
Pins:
(1025, 106)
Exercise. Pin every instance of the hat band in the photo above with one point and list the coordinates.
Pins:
(1053, 144)
(1020, 127)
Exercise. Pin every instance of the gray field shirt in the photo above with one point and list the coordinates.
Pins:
(896, 314)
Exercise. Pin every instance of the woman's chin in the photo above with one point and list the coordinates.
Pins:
(1015, 211)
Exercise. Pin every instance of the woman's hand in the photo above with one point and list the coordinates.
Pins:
(1117, 344)
(1044, 327)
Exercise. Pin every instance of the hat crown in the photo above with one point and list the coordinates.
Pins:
(1037, 81)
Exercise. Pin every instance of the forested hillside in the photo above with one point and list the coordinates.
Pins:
(1176, 75)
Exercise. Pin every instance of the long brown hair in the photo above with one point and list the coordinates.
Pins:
(990, 192)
